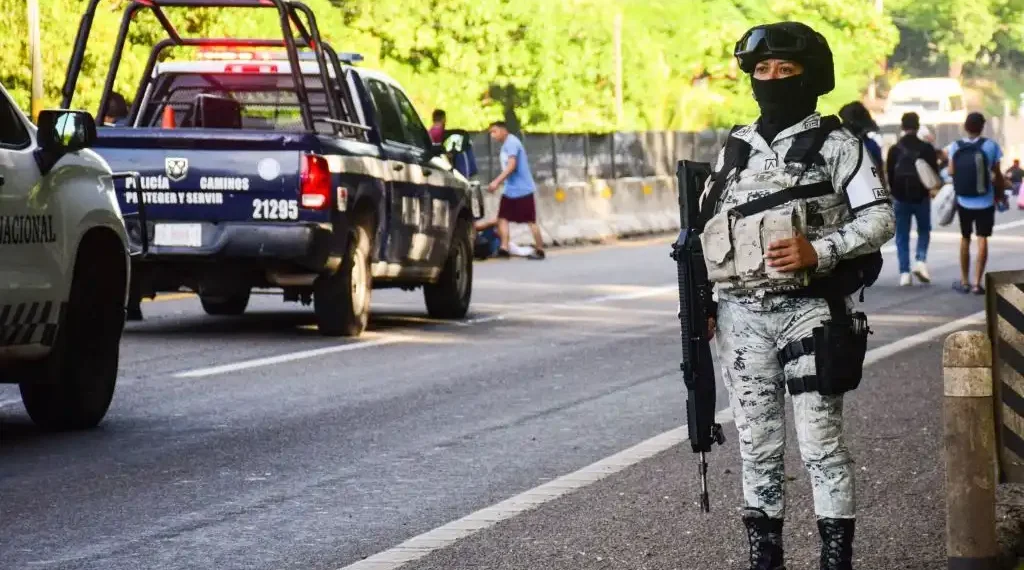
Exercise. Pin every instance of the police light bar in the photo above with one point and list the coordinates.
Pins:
(250, 68)
(244, 54)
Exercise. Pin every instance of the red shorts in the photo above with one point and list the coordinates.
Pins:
(520, 210)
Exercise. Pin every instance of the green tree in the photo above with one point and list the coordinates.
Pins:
(545, 65)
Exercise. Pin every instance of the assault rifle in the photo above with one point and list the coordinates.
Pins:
(695, 307)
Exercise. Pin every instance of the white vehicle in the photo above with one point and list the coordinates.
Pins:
(64, 264)
(936, 100)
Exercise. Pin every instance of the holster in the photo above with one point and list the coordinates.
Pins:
(839, 347)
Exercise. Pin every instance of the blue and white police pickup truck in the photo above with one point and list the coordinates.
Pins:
(265, 166)
(63, 267)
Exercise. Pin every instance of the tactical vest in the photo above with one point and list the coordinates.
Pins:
(748, 206)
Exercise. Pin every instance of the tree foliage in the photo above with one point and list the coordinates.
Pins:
(953, 36)
(545, 65)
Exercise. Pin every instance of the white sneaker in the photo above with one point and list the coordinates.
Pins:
(904, 279)
(921, 271)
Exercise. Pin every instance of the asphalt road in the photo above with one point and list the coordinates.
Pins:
(253, 442)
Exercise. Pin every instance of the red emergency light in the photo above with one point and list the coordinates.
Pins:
(250, 68)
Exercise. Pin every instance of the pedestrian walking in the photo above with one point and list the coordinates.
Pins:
(974, 167)
(517, 200)
(1015, 174)
(912, 194)
(796, 214)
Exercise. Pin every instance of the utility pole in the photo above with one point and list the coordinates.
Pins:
(618, 70)
(36, 54)
(873, 86)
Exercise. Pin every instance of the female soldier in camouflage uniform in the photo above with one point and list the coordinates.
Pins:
(761, 258)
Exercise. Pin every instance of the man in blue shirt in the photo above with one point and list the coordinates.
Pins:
(977, 214)
(517, 200)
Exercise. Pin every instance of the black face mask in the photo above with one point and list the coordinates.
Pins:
(783, 103)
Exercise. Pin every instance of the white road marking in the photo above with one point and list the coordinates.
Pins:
(941, 234)
(885, 351)
(9, 402)
(443, 536)
(313, 353)
(289, 357)
(419, 546)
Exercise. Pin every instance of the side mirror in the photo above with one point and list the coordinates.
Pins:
(62, 131)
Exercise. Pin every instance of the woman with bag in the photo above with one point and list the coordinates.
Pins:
(912, 171)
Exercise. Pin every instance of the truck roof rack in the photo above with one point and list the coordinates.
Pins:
(291, 14)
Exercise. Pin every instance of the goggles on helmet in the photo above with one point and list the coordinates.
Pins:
(767, 41)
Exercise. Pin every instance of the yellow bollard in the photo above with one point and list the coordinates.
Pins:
(970, 452)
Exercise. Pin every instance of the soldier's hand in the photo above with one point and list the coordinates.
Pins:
(791, 254)
(711, 327)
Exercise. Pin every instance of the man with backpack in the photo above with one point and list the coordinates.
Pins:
(974, 167)
(912, 195)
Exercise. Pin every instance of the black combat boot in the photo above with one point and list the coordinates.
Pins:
(765, 536)
(836, 543)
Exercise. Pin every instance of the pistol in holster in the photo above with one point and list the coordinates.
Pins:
(839, 346)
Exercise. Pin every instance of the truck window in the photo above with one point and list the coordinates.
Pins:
(956, 103)
(417, 133)
(387, 116)
(12, 130)
(268, 101)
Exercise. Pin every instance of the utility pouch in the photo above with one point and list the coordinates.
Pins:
(839, 350)
(782, 223)
(748, 247)
(716, 241)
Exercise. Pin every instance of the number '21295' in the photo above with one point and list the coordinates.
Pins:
(264, 209)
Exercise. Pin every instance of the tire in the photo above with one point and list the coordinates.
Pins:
(72, 388)
(341, 300)
(231, 305)
(449, 297)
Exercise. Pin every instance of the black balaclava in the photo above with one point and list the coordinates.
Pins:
(783, 102)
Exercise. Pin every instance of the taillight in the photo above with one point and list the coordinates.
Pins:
(315, 182)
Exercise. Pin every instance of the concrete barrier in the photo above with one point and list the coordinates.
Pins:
(599, 210)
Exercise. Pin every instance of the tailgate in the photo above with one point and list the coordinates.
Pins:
(189, 177)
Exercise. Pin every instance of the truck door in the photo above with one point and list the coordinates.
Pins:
(408, 243)
(30, 253)
(439, 200)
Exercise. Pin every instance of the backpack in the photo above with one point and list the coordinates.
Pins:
(458, 146)
(971, 171)
(849, 275)
(906, 181)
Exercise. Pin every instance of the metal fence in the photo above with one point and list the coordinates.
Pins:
(567, 158)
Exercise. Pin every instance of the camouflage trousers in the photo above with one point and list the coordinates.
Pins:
(749, 334)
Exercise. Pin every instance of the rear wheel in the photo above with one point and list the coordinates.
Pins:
(73, 387)
(449, 297)
(341, 300)
(227, 305)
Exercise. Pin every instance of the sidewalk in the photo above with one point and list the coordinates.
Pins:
(647, 518)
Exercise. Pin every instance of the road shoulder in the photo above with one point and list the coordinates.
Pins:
(646, 517)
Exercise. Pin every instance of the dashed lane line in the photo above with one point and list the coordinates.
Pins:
(288, 357)
(389, 339)
(419, 546)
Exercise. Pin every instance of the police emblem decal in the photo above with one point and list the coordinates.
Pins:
(176, 168)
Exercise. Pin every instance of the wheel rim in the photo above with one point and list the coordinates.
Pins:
(359, 287)
(461, 274)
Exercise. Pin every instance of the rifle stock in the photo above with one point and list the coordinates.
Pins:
(695, 307)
